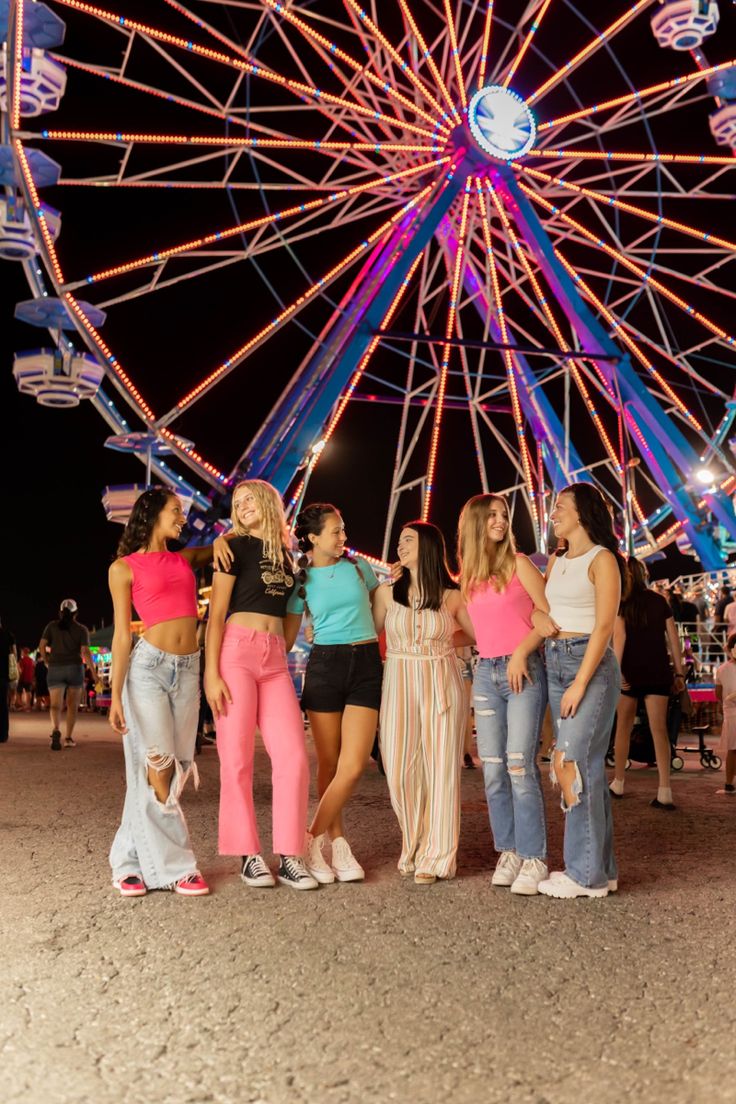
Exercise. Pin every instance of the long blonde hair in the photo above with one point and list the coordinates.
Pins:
(482, 560)
(273, 521)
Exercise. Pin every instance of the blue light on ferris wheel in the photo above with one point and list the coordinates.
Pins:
(501, 122)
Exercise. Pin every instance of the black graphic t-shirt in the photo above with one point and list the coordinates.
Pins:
(260, 586)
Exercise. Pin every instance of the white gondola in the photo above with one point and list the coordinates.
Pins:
(723, 126)
(118, 501)
(57, 379)
(685, 24)
(17, 235)
(42, 83)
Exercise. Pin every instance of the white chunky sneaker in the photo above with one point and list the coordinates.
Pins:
(315, 861)
(507, 869)
(533, 871)
(344, 863)
(255, 872)
(293, 873)
(612, 882)
(560, 884)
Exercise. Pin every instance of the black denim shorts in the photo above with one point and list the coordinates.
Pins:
(342, 674)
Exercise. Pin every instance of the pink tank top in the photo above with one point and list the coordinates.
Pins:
(501, 620)
(163, 586)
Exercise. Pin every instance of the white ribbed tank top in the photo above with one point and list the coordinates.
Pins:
(570, 593)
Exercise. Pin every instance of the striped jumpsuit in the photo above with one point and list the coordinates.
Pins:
(422, 726)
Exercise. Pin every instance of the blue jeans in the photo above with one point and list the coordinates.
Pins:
(583, 739)
(508, 727)
(161, 706)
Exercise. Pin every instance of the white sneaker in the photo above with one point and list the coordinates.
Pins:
(612, 882)
(533, 871)
(560, 884)
(507, 869)
(344, 863)
(256, 873)
(315, 861)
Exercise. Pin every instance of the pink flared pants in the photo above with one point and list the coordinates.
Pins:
(253, 664)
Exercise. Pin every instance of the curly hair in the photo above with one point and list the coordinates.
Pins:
(143, 518)
(273, 521)
(433, 574)
(480, 559)
(597, 521)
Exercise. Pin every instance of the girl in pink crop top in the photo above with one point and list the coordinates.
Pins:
(502, 588)
(155, 695)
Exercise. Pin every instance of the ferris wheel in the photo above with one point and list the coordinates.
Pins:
(505, 224)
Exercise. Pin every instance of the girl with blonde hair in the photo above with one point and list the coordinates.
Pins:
(247, 683)
(501, 588)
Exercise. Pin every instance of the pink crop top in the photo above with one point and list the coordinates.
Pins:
(501, 620)
(163, 586)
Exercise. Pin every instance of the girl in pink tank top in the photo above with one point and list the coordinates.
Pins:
(155, 695)
(502, 588)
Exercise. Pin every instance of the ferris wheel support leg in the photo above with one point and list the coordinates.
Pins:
(304, 410)
(663, 440)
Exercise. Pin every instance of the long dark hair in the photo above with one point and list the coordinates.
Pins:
(433, 574)
(597, 521)
(143, 517)
(633, 603)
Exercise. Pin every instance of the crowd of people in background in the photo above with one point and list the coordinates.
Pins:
(566, 657)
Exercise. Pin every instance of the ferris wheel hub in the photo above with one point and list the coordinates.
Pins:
(501, 122)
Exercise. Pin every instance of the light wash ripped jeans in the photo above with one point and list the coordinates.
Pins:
(583, 739)
(161, 706)
(508, 727)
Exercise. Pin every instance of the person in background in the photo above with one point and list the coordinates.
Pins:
(342, 685)
(155, 695)
(40, 680)
(729, 618)
(465, 658)
(65, 643)
(645, 640)
(26, 672)
(423, 703)
(8, 660)
(583, 678)
(726, 694)
(724, 599)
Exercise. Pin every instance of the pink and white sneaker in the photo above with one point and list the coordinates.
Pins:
(131, 886)
(193, 885)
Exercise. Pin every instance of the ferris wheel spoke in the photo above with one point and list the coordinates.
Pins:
(446, 353)
(640, 94)
(590, 49)
(486, 43)
(192, 245)
(450, 16)
(428, 57)
(526, 43)
(640, 158)
(314, 36)
(393, 53)
(507, 355)
(632, 209)
(248, 66)
(240, 354)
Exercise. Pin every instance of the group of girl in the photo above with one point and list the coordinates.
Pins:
(259, 596)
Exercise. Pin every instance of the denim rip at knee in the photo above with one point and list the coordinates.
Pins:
(583, 740)
(508, 727)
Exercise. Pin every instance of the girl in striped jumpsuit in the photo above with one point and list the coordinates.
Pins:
(423, 705)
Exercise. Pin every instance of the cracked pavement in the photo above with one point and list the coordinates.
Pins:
(380, 992)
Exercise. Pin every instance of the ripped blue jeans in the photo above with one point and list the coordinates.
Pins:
(508, 727)
(583, 739)
(161, 706)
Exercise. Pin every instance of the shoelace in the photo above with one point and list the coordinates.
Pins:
(190, 879)
(256, 866)
(294, 866)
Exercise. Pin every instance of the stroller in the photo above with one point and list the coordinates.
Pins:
(641, 748)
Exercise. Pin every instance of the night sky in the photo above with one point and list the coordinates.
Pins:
(57, 542)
